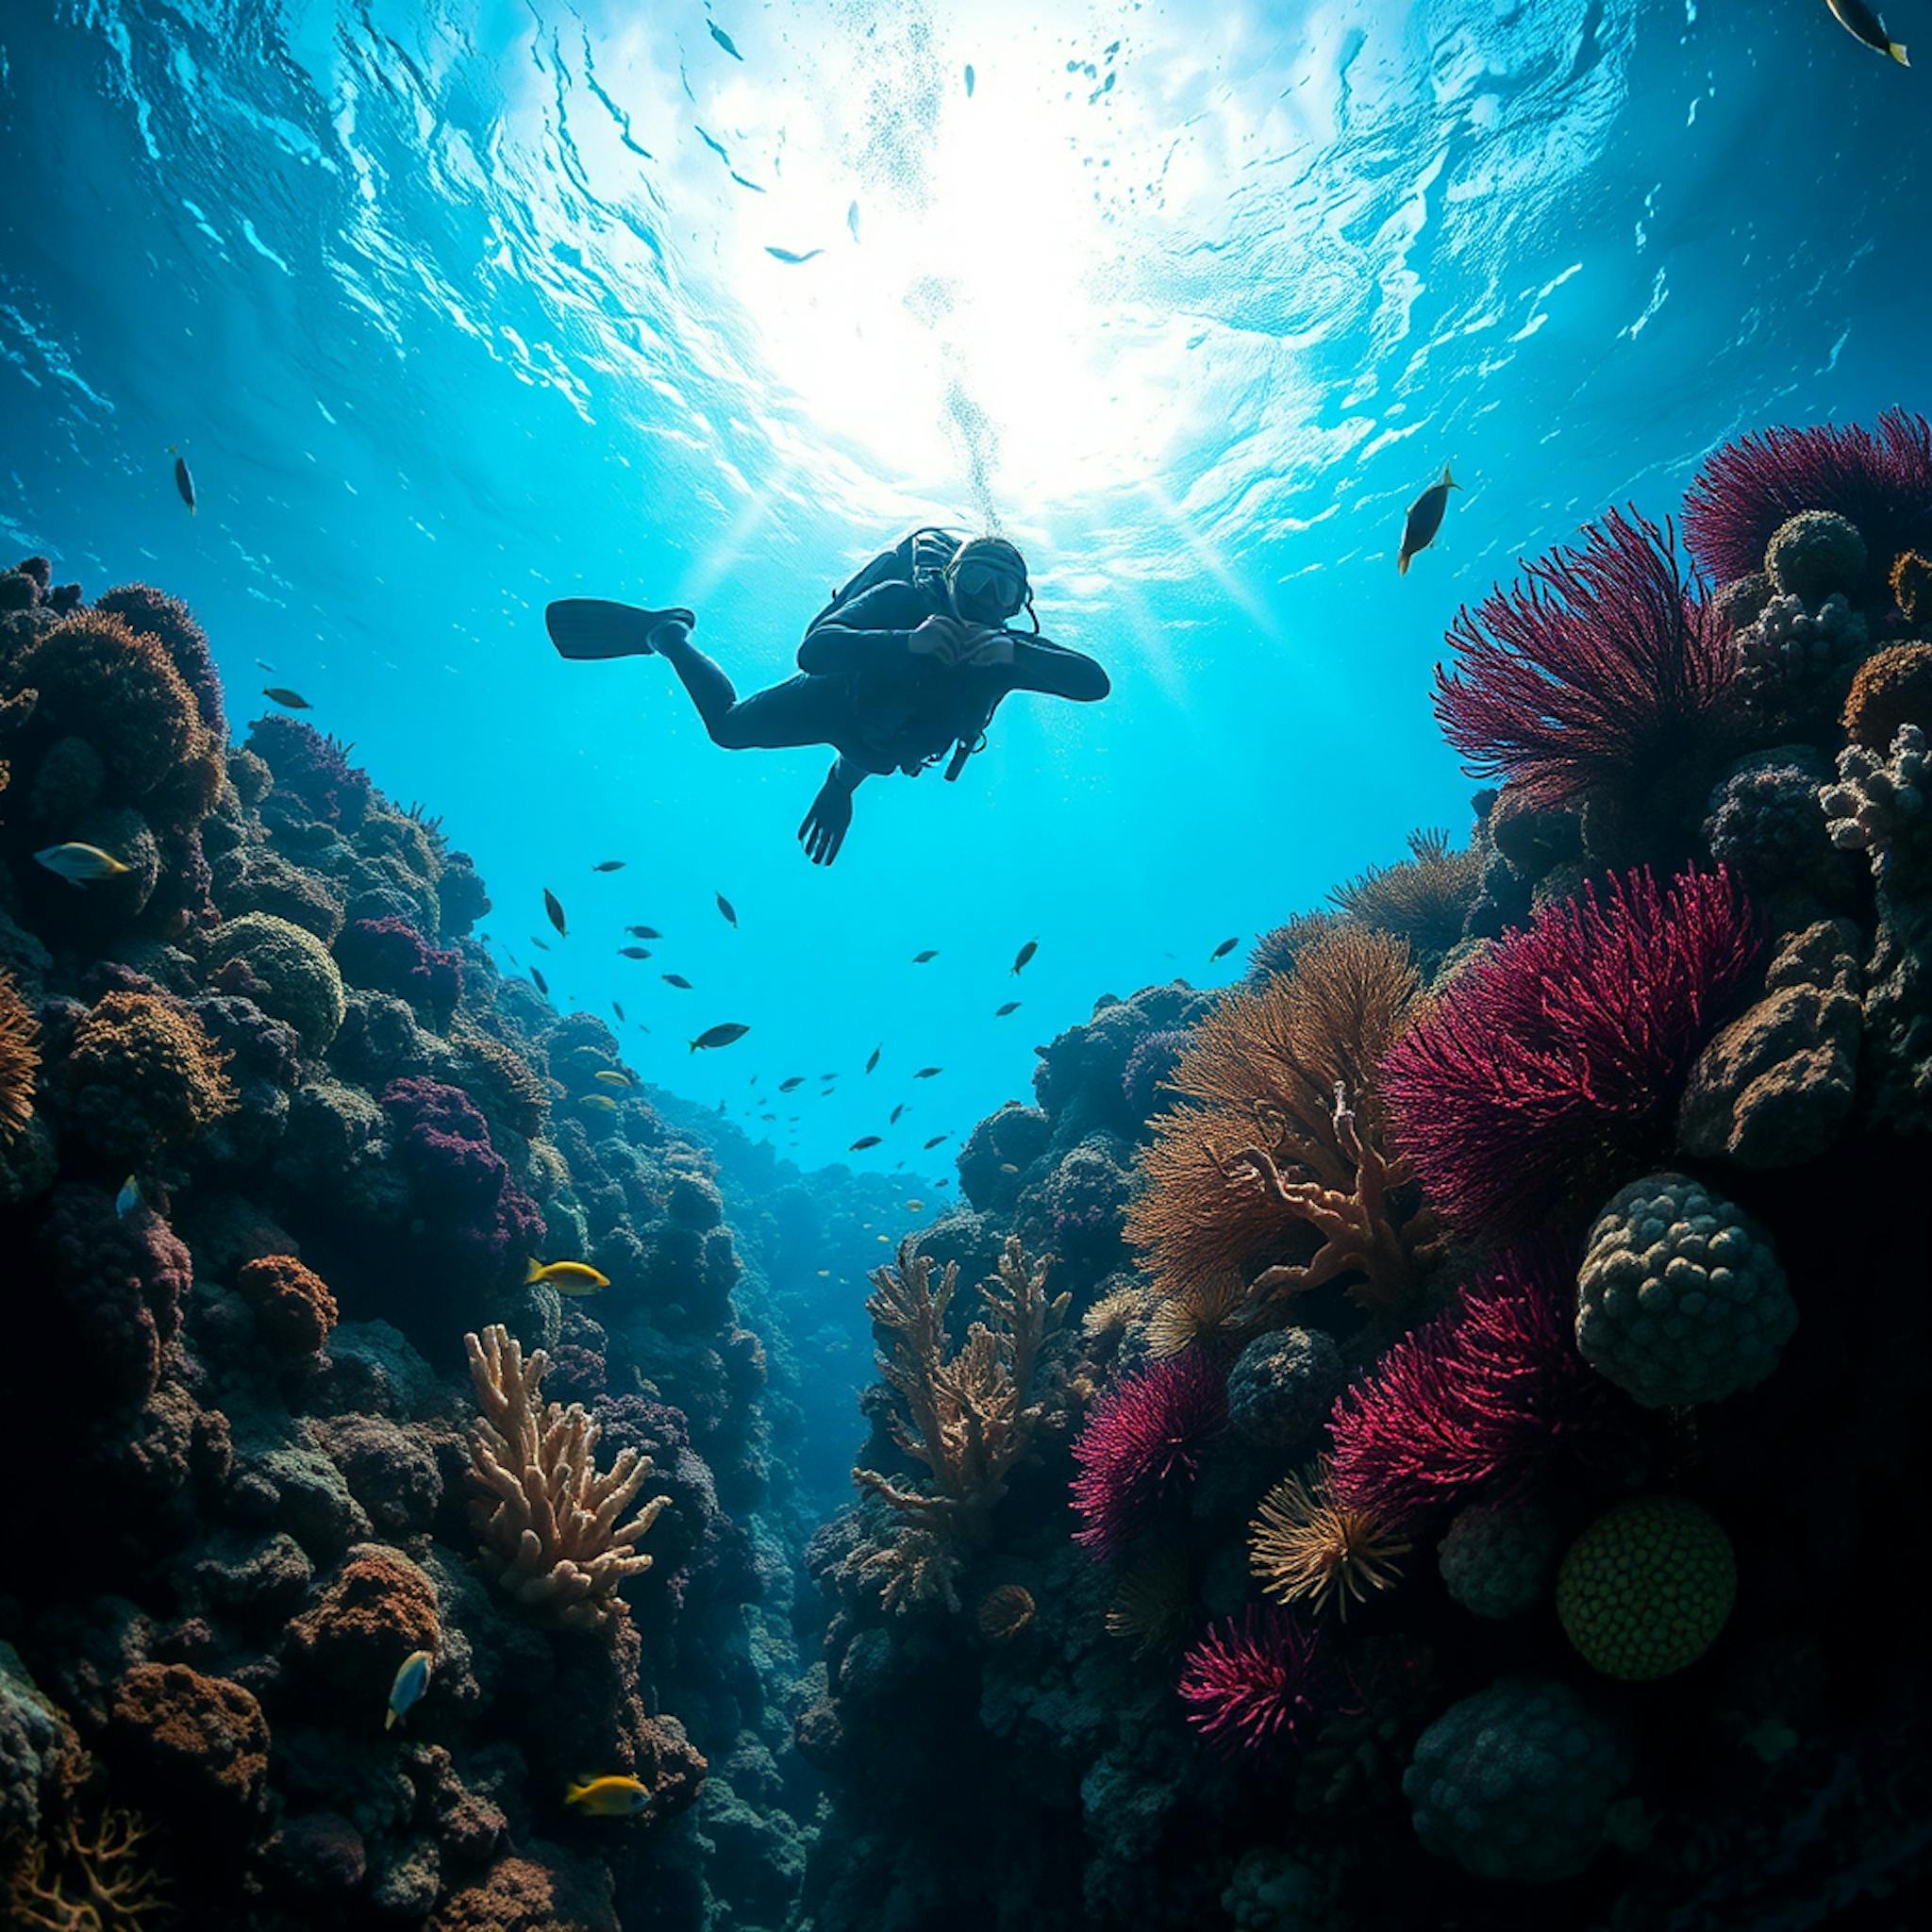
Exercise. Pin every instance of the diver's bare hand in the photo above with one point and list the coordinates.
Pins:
(827, 824)
(939, 636)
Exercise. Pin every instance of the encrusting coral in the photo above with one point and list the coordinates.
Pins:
(967, 1416)
(546, 1516)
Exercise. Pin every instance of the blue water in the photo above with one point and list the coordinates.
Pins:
(457, 308)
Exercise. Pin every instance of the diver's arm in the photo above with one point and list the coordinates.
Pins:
(878, 625)
(1040, 665)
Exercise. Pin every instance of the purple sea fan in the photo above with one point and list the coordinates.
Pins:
(1553, 1065)
(1483, 1396)
(1256, 1681)
(1881, 480)
(1139, 1450)
(1598, 671)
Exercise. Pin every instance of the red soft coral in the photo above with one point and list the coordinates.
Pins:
(1140, 1451)
(1256, 1681)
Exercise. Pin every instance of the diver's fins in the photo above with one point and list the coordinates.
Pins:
(593, 627)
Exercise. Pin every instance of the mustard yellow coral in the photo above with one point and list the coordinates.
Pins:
(142, 1075)
(1306, 1544)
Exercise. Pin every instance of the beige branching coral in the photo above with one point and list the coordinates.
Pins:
(968, 1417)
(547, 1518)
(1281, 1130)
(87, 1882)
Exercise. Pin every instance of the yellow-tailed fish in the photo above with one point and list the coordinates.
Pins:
(80, 865)
(566, 1277)
(609, 1797)
(1862, 24)
(412, 1679)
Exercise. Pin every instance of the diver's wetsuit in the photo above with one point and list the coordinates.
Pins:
(861, 691)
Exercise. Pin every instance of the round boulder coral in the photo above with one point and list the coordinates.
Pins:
(1680, 1298)
(293, 1308)
(1814, 554)
(140, 1074)
(171, 621)
(1497, 1557)
(1281, 1386)
(1514, 1782)
(375, 1609)
(1644, 1591)
(1890, 688)
(286, 971)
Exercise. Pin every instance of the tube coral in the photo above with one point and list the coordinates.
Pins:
(1552, 1063)
(1253, 1682)
(1480, 1397)
(1881, 480)
(1598, 672)
(1141, 1449)
(546, 1517)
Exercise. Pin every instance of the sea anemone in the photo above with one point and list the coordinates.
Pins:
(1880, 481)
(1306, 1543)
(1151, 1601)
(1141, 1449)
(1482, 1397)
(1253, 1682)
(1598, 676)
(1198, 1313)
(1005, 1613)
(1556, 1062)
(20, 1060)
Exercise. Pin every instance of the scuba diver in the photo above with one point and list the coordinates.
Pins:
(910, 659)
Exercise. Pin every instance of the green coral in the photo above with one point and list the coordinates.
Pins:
(1645, 1590)
(285, 969)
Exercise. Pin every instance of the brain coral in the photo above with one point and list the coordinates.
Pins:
(284, 970)
(1644, 1591)
(142, 1075)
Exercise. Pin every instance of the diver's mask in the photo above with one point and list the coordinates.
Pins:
(988, 590)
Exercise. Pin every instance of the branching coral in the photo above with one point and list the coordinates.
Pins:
(1880, 481)
(547, 1517)
(1262, 1147)
(1482, 1396)
(1140, 1451)
(1256, 1681)
(1424, 900)
(20, 1060)
(1550, 1065)
(89, 1880)
(967, 1416)
(1598, 674)
(1308, 1544)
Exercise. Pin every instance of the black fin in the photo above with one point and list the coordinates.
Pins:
(593, 627)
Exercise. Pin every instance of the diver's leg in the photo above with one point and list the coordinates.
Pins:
(802, 710)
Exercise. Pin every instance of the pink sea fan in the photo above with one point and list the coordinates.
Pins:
(1881, 479)
(1139, 1450)
(1600, 669)
(1256, 1681)
(1554, 1063)
(1483, 1396)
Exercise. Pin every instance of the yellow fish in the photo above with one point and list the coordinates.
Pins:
(412, 1679)
(609, 1797)
(611, 1077)
(602, 1102)
(566, 1277)
(80, 865)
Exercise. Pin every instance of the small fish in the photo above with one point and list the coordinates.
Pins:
(541, 945)
(678, 980)
(824, 1274)
(896, 1112)
(184, 478)
(1223, 950)
(1425, 518)
(80, 865)
(556, 913)
(725, 906)
(722, 39)
(944, 1183)
(289, 700)
(412, 1679)
(128, 1199)
(262, 664)
(852, 220)
(875, 1059)
(1857, 19)
(936, 1140)
(1025, 953)
(789, 257)
(542, 984)
(602, 1102)
(828, 1077)
(643, 932)
(720, 1034)
(915, 1206)
(930, 953)
(969, 80)
(610, 1076)
(864, 1141)
(797, 1080)
(926, 1072)
(824, 1093)
(608, 865)
(609, 1797)
(566, 1277)
(1010, 1007)
(617, 1008)
(1008, 1167)
(633, 952)
(886, 1239)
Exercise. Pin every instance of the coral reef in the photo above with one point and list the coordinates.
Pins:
(1140, 1451)
(1644, 1591)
